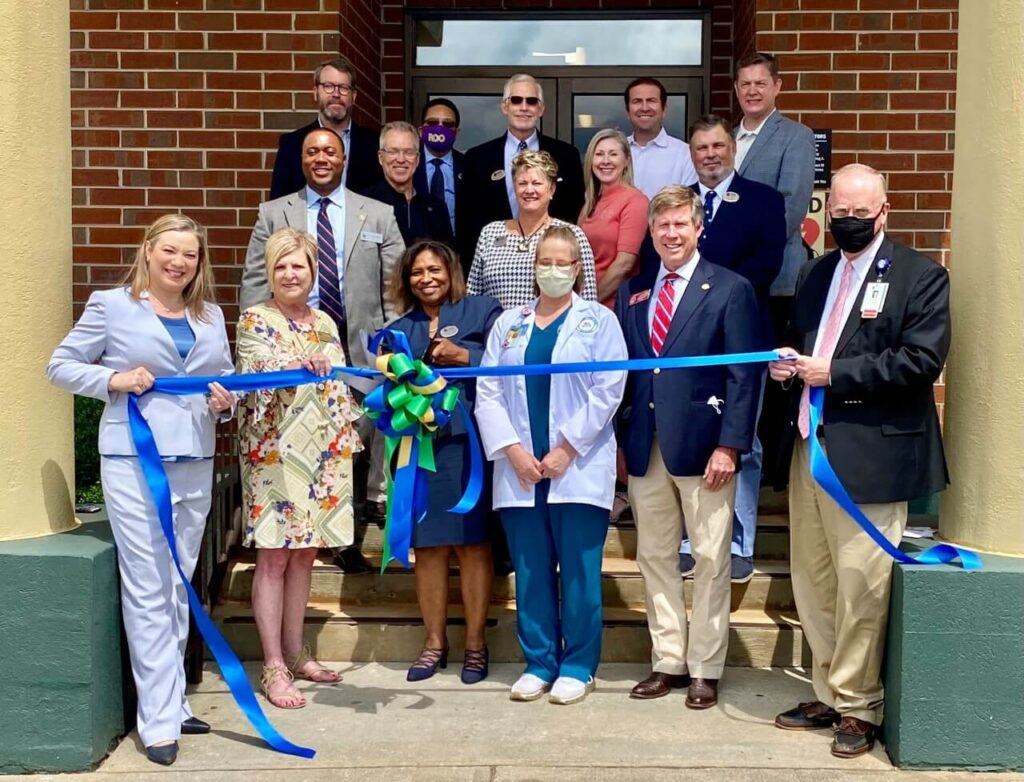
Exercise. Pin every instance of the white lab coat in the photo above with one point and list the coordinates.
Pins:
(582, 405)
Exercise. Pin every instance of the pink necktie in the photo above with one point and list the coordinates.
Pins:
(663, 312)
(833, 328)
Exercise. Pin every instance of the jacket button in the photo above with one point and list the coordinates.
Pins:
(657, 370)
(650, 405)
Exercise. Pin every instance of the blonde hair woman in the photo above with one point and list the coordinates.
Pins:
(503, 262)
(161, 322)
(614, 215)
(296, 451)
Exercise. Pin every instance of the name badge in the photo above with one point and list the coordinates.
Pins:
(448, 332)
(496, 175)
(587, 326)
(636, 298)
(874, 299)
(372, 236)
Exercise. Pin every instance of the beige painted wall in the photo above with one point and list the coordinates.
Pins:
(36, 445)
(984, 417)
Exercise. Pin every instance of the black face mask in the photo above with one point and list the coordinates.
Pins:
(853, 234)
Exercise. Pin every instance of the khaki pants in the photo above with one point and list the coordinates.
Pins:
(841, 582)
(661, 502)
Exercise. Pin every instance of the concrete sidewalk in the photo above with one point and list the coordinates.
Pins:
(376, 726)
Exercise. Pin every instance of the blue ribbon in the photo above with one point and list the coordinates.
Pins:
(414, 487)
(822, 472)
(230, 666)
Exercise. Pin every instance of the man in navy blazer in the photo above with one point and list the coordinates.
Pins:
(745, 231)
(489, 194)
(681, 432)
(334, 90)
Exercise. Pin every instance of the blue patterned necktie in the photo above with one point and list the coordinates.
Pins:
(437, 180)
(522, 147)
(331, 300)
(709, 206)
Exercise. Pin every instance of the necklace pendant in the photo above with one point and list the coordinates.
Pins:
(522, 246)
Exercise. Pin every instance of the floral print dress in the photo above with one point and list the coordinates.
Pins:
(296, 443)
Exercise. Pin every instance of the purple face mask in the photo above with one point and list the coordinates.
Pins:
(438, 138)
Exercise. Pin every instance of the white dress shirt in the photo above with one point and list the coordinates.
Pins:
(664, 160)
(720, 190)
(336, 214)
(511, 150)
(745, 138)
(861, 267)
(685, 272)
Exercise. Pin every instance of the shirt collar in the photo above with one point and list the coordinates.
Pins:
(445, 158)
(337, 197)
(685, 271)
(346, 132)
(720, 189)
(863, 263)
(743, 132)
(661, 140)
(512, 141)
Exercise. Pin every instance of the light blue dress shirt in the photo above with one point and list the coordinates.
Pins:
(336, 214)
(511, 150)
(448, 172)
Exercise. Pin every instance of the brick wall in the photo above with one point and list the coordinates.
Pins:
(177, 105)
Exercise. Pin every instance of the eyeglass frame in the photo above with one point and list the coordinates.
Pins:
(853, 212)
(395, 154)
(331, 88)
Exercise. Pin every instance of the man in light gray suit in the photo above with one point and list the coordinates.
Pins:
(358, 247)
(779, 152)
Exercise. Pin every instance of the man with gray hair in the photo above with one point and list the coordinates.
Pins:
(487, 182)
(419, 215)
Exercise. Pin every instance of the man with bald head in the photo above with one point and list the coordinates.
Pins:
(358, 246)
(871, 325)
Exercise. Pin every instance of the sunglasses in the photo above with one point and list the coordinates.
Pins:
(518, 100)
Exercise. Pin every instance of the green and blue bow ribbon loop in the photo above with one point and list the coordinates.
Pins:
(412, 404)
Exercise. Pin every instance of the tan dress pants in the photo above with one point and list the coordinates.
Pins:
(660, 503)
(841, 582)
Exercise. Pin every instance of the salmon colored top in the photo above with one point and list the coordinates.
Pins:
(619, 224)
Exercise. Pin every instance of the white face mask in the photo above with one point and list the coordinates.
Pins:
(555, 281)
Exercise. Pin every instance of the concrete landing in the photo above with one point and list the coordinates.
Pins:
(376, 726)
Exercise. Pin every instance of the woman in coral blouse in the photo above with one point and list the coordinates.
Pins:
(614, 215)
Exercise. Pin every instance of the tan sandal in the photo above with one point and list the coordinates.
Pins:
(273, 674)
(304, 658)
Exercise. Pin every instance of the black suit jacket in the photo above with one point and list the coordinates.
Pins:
(881, 428)
(717, 314)
(486, 198)
(424, 217)
(363, 167)
(421, 181)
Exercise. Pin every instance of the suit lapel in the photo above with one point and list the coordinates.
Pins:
(762, 140)
(295, 210)
(640, 310)
(696, 290)
(355, 218)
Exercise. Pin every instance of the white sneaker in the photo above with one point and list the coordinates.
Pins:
(567, 690)
(528, 688)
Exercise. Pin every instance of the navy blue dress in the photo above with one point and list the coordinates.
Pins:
(473, 317)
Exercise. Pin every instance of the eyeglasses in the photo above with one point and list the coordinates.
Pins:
(547, 263)
(406, 153)
(448, 123)
(518, 100)
(340, 89)
(861, 213)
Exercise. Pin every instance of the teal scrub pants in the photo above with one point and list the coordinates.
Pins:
(554, 545)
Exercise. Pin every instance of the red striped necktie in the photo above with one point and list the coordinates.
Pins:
(663, 312)
(331, 300)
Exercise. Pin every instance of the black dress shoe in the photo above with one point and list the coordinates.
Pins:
(659, 684)
(375, 513)
(813, 715)
(352, 561)
(194, 726)
(164, 755)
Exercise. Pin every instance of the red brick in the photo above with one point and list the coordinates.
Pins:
(935, 20)
(233, 197)
(890, 42)
(206, 61)
(233, 160)
(847, 61)
(176, 41)
(264, 61)
(102, 39)
(93, 20)
(921, 61)
(175, 80)
(927, 141)
(936, 120)
(121, 196)
(116, 118)
(234, 5)
(862, 21)
(149, 139)
(888, 81)
(291, 5)
(236, 41)
(938, 81)
(117, 80)
(263, 21)
(888, 121)
(826, 5)
(206, 99)
(218, 180)
(174, 119)
(207, 139)
(860, 101)
(120, 158)
(234, 81)
(802, 21)
(828, 81)
(77, 118)
(772, 42)
(176, 5)
(81, 99)
(85, 137)
(830, 119)
(803, 101)
(146, 99)
(941, 41)
(935, 162)
(917, 181)
(145, 20)
(295, 42)
(263, 100)
(174, 197)
(859, 141)
(942, 201)
(804, 62)
(231, 119)
(89, 59)
(828, 41)
(257, 139)
(928, 101)
(147, 60)
(887, 5)
(113, 235)
(150, 178)
(174, 159)
(888, 161)
(206, 21)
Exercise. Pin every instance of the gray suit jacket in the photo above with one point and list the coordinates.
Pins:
(373, 246)
(117, 333)
(782, 157)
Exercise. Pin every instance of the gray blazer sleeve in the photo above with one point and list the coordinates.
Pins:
(796, 176)
(72, 366)
(391, 250)
(255, 288)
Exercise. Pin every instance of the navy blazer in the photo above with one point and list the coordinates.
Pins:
(748, 236)
(486, 198)
(473, 316)
(717, 314)
(363, 166)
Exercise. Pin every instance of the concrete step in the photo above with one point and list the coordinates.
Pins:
(394, 633)
(622, 586)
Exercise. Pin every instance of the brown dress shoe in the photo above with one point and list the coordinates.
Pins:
(659, 684)
(813, 715)
(703, 694)
(853, 737)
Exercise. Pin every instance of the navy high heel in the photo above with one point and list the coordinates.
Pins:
(475, 666)
(427, 663)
